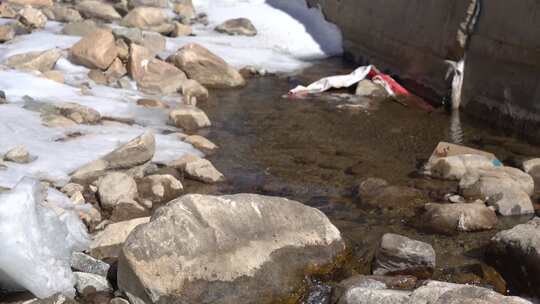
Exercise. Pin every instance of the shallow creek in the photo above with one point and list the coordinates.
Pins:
(315, 151)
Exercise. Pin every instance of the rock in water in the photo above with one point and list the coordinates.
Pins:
(238, 26)
(516, 254)
(136, 152)
(207, 68)
(189, 118)
(400, 255)
(431, 292)
(96, 50)
(231, 249)
(452, 218)
(507, 189)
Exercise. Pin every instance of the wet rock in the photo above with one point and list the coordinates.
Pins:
(18, 155)
(107, 244)
(180, 164)
(202, 170)
(455, 167)
(373, 282)
(445, 149)
(84, 263)
(371, 187)
(160, 189)
(193, 91)
(32, 18)
(136, 152)
(430, 292)
(115, 187)
(277, 241)
(7, 33)
(80, 28)
(35, 61)
(160, 77)
(145, 18)
(202, 144)
(205, 67)
(181, 30)
(452, 218)
(90, 280)
(54, 75)
(367, 88)
(78, 113)
(238, 26)
(516, 254)
(95, 51)
(401, 255)
(189, 118)
(507, 189)
(389, 198)
(127, 209)
(98, 10)
(185, 10)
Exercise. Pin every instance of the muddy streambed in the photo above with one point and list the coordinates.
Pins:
(316, 151)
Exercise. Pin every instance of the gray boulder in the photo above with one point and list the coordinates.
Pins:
(106, 244)
(231, 249)
(516, 254)
(401, 255)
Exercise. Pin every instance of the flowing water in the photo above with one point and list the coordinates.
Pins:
(315, 151)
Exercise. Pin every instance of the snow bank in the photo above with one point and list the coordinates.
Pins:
(37, 243)
(289, 34)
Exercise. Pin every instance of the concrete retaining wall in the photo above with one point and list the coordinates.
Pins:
(413, 38)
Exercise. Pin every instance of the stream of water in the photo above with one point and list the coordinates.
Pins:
(315, 151)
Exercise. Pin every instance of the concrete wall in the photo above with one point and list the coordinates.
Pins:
(413, 38)
(410, 37)
(502, 71)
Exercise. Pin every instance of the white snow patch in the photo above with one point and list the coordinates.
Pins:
(37, 243)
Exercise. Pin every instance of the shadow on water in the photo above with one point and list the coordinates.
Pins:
(316, 151)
